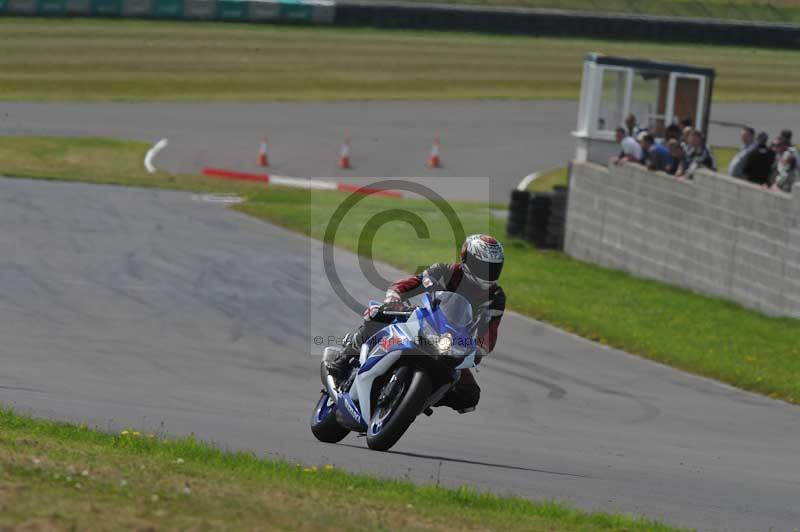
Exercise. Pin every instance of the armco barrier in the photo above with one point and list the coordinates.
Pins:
(291, 11)
(565, 23)
(716, 234)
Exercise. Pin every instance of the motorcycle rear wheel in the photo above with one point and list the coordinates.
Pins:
(323, 421)
(391, 420)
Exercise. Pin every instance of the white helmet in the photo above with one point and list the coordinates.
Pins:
(482, 259)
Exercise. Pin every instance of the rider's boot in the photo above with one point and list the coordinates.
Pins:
(341, 366)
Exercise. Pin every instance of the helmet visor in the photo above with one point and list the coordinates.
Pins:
(486, 271)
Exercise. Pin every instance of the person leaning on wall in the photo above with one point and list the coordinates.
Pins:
(630, 151)
(658, 155)
(678, 155)
(698, 155)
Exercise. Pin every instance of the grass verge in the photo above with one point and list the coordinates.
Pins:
(703, 335)
(549, 180)
(56, 476)
(129, 60)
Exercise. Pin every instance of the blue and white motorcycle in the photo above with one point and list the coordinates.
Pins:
(406, 368)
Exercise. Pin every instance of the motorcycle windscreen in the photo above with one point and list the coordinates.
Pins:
(455, 308)
(450, 312)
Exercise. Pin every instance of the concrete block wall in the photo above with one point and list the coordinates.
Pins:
(715, 235)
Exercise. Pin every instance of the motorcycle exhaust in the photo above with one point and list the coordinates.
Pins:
(329, 354)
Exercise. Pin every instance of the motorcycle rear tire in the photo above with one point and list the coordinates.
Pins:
(414, 396)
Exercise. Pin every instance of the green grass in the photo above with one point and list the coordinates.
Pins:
(702, 335)
(128, 60)
(755, 10)
(723, 155)
(56, 476)
(549, 180)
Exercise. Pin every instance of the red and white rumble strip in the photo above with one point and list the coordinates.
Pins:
(284, 181)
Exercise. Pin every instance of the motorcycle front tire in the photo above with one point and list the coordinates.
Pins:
(323, 422)
(416, 392)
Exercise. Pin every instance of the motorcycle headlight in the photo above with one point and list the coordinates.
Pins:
(444, 343)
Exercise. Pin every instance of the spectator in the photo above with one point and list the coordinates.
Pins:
(630, 149)
(758, 165)
(632, 128)
(672, 131)
(685, 132)
(645, 154)
(784, 171)
(687, 121)
(697, 155)
(678, 155)
(737, 164)
(658, 156)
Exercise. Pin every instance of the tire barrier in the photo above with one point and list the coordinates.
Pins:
(539, 218)
(557, 221)
(536, 221)
(283, 11)
(517, 212)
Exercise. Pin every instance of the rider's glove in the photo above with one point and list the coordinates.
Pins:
(393, 301)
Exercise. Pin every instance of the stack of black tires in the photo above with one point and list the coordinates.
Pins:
(517, 212)
(557, 220)
(539, 217)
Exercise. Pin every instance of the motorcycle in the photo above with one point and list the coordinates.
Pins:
(405, 369)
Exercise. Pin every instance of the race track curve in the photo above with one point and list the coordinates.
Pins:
(125, 307)
(501, 140)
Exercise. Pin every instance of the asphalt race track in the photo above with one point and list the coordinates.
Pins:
(125, 307)
(503, 140)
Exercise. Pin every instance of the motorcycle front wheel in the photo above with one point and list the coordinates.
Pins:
(399, 402)
(323, 421)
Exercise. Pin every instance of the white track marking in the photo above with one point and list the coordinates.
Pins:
(527, 180)
(302, 183)
(151, 153)
(226, 199)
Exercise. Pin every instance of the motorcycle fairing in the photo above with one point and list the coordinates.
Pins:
(352, 418)
(388, 346)
(384, 348)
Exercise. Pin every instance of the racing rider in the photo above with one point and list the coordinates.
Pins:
(475, 278)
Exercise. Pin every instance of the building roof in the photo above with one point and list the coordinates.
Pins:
(646, 64)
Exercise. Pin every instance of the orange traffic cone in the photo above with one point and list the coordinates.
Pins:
(263, 159)
(433, 158)
(344, 154)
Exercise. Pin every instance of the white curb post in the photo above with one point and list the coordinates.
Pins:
(527, 180)
(151, 154)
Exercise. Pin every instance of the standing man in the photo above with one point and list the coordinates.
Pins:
(759, 163)
(632, 128)
(786, 163)
(738, 163)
